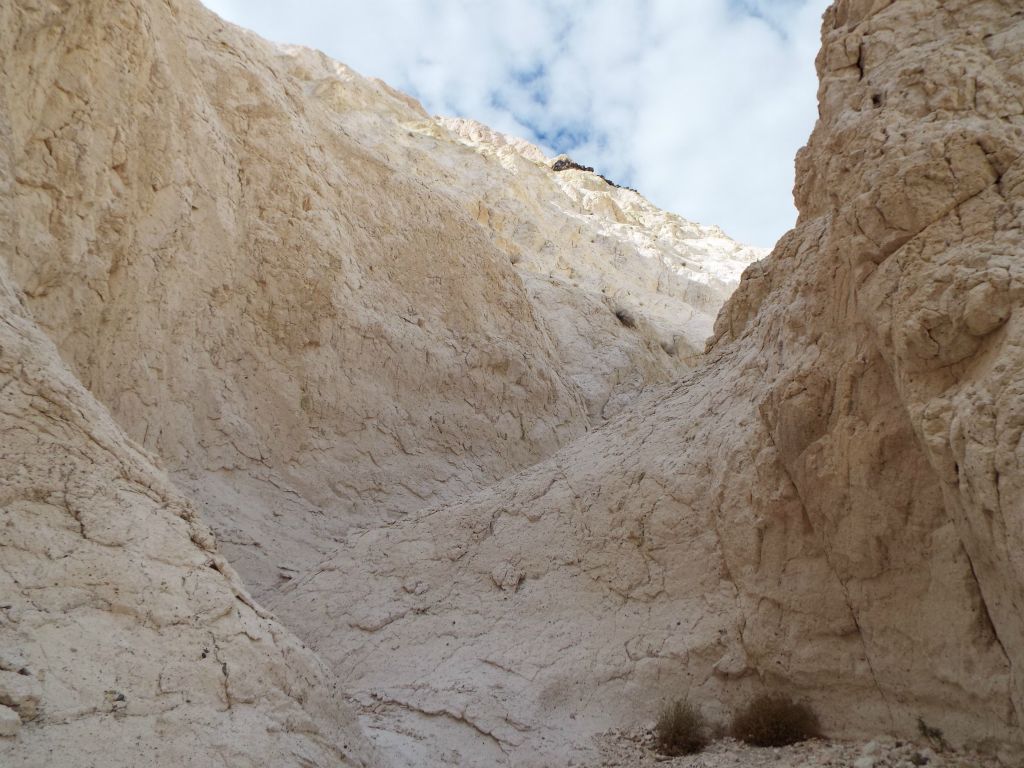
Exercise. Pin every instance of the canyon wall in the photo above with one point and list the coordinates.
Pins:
(297, 288)
(125, 637)
(830, 505)
(444, 407)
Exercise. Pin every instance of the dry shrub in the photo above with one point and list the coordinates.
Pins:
(681, 730)
(934, 735)
(775, 720)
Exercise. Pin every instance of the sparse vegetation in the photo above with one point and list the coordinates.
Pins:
(681, 730)
(617, 186)
(934, 735)
(775, 720)
(565, 164)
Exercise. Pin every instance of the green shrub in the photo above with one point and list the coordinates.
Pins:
(775, 720)
(681, 730)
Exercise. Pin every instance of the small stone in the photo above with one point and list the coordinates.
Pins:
(415, 586)
(9, 722)
(985, 309)
(22, 692)
(867, 761)
(13, 662)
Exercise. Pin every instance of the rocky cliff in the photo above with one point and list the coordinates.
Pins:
(444, 407)
(320, 307)
(298, 289)
(125, 638)
(830, 505)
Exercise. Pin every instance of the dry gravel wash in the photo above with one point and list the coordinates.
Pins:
(635, 749)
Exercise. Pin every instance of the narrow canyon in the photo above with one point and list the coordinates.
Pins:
(333, 433)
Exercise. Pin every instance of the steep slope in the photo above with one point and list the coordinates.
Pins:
(273, 272)
(830, 505)
(125, 638)
(672, 273)
(573, 235)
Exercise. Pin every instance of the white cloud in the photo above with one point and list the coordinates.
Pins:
(700, 104)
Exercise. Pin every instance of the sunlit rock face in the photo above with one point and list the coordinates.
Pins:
(585, 229)
(316, 303)
(831, 504)
(445, 403)
(125, 637)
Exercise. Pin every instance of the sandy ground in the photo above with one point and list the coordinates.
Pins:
(636, 750)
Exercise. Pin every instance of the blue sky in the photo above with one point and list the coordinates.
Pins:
(699, 104)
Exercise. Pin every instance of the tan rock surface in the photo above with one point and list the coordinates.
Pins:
(831, 505)
(281, 277)
(671, 273)
(125, 638)
(582, 247)
(322, 307)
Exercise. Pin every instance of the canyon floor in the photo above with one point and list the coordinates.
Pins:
(636, 750)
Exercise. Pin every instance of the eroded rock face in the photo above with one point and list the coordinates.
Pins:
(575, 226)
(831, 505)
(125, 637)
(314, 301)
(282, 278)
